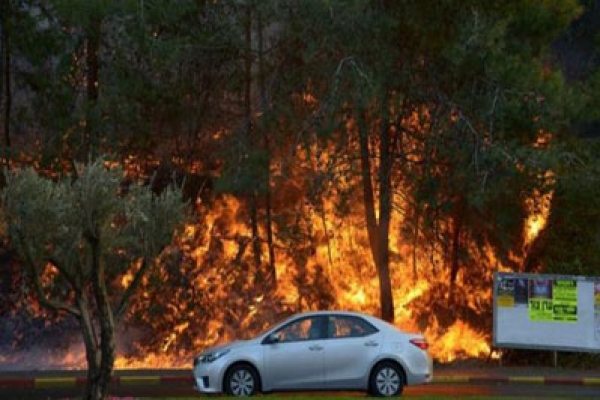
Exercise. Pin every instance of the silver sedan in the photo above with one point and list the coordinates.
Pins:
(323, 350)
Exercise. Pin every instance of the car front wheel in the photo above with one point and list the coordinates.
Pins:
(387, 380)
(241, 381)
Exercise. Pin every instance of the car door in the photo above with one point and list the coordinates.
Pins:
(352, 346)
(295, 361)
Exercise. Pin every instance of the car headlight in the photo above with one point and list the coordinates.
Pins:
(210, 357)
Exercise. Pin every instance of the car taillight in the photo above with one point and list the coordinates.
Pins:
(420, 343)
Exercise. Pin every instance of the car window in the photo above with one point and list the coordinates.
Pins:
(343, 326)
(310, 328)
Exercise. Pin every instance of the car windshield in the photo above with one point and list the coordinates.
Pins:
(265, 330)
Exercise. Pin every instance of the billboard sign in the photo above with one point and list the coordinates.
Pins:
(554, 312)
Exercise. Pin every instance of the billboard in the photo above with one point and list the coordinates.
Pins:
(554, 312)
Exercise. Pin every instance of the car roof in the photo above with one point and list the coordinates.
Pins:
(372, 319)
(330, 312)
(376, 321)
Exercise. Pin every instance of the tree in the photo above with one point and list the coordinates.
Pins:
(87, 22)
(247, 162)
(78, 236)
(446, 103)
(320, 56)
(5, 92)
(569, 242)
(55, 55)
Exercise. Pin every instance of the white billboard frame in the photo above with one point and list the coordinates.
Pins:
(546, 312)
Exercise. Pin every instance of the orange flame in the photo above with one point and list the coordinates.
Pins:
(340, 266)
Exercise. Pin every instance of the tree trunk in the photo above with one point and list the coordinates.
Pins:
(92, 353)
(415, 243)
(367, 183)
(5, 79)
(103, 371)
(98, 380)
(271, 271)
(457, 227)
(385, 213)
(3, 31)
(107, 350)
(378, 231)
(93, 391)
(253, 201)
(91, 140)
(271, 278)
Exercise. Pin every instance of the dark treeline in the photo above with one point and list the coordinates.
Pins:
(438, 125)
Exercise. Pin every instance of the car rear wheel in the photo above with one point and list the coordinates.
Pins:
(241, 381)
(387, 379)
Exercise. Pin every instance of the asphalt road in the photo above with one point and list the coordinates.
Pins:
(517, 383)
(450, 389)
(454, 390)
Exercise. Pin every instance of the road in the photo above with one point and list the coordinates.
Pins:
(50, 385)
(455, 390)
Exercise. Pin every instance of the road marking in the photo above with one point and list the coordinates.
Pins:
(54, 382)
(591, 381)
(139, 380)
(446, 379)
(526, 379)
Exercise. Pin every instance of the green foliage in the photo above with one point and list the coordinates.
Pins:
(55, 221)
(247, 175)
(569, 244)
(157, 63)
(484, 74)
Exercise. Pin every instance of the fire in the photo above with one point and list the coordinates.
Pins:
(153, 360)
(331, 269)
(338, 275)
(458, 341)
(539, 204)
(539, 210)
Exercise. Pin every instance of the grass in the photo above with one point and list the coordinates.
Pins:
(420, 397)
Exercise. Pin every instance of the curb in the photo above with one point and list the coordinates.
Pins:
(538, 380)
(149, 380)
(72, 381)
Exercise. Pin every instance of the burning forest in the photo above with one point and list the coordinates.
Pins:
(342, 157)
(210, 290)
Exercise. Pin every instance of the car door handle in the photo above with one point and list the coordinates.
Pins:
(315, 347)
(371, 343)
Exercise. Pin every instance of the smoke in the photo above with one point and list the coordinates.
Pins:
(56, 345)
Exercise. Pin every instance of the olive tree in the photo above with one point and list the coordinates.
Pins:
(86, 241)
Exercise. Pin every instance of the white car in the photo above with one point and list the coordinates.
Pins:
(322, 350)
